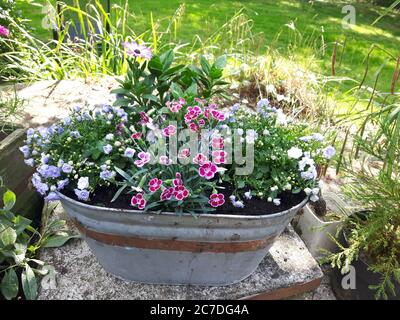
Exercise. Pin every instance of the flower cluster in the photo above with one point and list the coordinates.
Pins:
(286, 159)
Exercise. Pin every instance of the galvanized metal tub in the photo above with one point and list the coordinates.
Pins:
(168, 248)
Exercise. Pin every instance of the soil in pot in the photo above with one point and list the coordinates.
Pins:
(255, 206)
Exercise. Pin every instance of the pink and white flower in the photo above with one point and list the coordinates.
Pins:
(218, 115)
(192, 113)
(164, 160)
(167, 194)
(144, 118)
(199, 159)
(219, 156)
(169, 131)
(208, 170)
(193, 127)
(155, 184)
(184, 153)
(217, 143)
(144, 157)
(180, 192)
(138, 50)
(178, 180)
(136, 136)
(139, 201)
(216, 200)
(176, 106)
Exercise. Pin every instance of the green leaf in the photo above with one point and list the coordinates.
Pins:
(29, 283)
(192, 90)
(167, 58)
(220, 63)
(8, 236)
(9, 199)
(58, 240)
(205, 65)
(21, 223)
(9, 284)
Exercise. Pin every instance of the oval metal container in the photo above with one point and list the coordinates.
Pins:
(168, 248)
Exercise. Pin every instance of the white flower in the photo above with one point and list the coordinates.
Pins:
(248, 195)
(317, 136)
(240, 131)
(288, 186)
(280, 97)
(305, 161)
(277, 202)
(315, 191)
(117, 144)
(269, 199)
(83, 183)
(294, 153)
(266, 132)
(314, 198)
(274, 188)
(281, 118)
(232, 198)
(109, 136)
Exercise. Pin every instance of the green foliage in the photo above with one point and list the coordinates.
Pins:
(169, 80)
(19, 244)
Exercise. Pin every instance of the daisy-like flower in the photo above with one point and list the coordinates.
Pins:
(4, 32)
(216, 200)
(137, 50)
(169, 131)
(139, 201)
(180, 192)
(208, 170)
(155, 184)
(144, 157)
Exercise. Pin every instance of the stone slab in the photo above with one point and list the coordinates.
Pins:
(288, 270)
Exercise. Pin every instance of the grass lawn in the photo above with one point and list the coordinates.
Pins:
(270, 17)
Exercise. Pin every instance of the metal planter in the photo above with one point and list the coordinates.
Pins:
(170, 249)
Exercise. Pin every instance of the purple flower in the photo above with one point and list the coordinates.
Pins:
(137, 50)
(263, 103)
(44, 132)
(75, 134)
(82, 194)
(66, 168)
(107, 149)
(62, 184)
(42, 188)
(60, 130)
(329, 152)
(107, 175)
(44, 159)
(30, 162)
(49, 171)
(30, 132)
(67, 121)
(235, 107)
(4, 32)
(77, 108)
(25, 151)
(106, 108)
(52, 196)
(129, 152)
